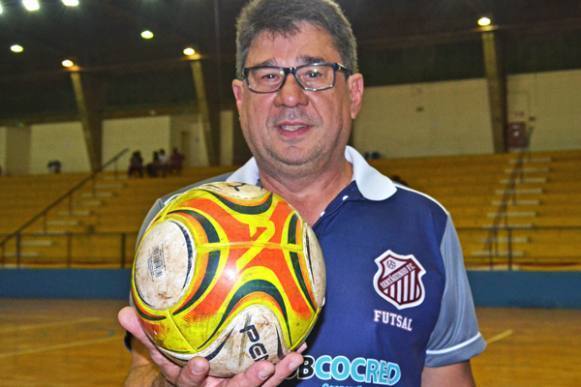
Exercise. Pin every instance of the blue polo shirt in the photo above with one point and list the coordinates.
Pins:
(397, 299)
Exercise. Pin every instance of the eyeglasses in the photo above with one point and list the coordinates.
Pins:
(310, 77)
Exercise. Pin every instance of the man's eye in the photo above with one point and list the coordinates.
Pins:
(270, 77)
(313, 74)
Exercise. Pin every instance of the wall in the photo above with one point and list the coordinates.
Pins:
(146, 134)
(437, 118)
(63, 141)
(425, 119)
(551, 103)
(3, 149)
(453, 117)
(227, 137)
(188, 137)
(494, 289)
(18, 140)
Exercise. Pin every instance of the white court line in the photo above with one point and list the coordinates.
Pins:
(500, 336)
(49, 325)
(60, 346)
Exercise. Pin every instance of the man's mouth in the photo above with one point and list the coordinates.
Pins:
(292, 127)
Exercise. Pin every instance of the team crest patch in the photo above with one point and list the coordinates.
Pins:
(399, 279)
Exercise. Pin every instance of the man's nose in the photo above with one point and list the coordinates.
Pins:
(291, 93)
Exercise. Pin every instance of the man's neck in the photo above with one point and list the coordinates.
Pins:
(310, 194)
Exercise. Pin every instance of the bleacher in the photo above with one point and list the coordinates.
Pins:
(22, 197)
(533, 224)
(538, 218)
(97, 227)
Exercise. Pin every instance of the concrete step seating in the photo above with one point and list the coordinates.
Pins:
(546, 209)
(76, 250)
(547, 195)
(88, 231)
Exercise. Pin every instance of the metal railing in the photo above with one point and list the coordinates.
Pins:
(509, 195)
(17, 234)
(501, 215)
(562, 250)
(78, 249)
(116, 249)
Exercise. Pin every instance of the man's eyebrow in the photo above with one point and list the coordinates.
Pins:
(302, 60)
(311, 59)
(268, 62)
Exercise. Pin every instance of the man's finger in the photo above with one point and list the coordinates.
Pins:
(194, 373)
(129, 320)
(256, 375)
(285, 368)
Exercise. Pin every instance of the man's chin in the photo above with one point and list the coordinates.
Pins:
(295, 160)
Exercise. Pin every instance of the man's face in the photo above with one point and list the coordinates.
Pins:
(294, 132)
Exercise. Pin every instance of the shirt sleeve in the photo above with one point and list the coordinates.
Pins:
(456, 336)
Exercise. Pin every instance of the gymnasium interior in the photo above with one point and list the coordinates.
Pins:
(473, 102)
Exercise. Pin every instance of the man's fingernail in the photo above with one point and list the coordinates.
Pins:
(198, 368)
(264, 374)
(294, 364)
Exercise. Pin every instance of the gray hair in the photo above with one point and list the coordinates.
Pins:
(282, 17)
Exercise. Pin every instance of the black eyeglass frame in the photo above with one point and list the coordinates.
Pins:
(293, 70)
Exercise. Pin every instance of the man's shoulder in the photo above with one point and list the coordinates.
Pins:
(419, 200)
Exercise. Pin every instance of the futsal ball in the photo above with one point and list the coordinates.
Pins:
(230, 272)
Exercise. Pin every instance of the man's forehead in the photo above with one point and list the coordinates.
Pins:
(307, 43)
(291, 30)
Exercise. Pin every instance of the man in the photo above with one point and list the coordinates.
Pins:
(399, 309)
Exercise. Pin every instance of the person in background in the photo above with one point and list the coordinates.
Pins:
(176, 161)
(398, 310)
(135, 165)
(153, 167)
(163, 163)
(54, 166)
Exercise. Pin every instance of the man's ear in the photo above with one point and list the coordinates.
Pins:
(355, 84)
(238, 90)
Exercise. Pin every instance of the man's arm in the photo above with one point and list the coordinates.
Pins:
(149, 367)
(457, 375)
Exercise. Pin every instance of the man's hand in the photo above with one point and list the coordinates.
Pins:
(147, 362)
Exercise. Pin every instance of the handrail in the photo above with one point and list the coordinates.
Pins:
(501, 213)
(509, 192)
(66, 195)
(123, 257)
(66, 259)
(536, 259)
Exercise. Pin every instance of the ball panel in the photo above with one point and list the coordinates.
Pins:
(246, 194)
(164, 262)
(315, 263)
(251, 336)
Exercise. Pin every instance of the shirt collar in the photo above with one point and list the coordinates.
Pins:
(370, 182)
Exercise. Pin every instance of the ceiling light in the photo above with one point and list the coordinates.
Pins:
(147, 34)
(31, 5)
(16, 48)
(484, 21)
(189, 51)
(70, 3)
(1, 9)
(67, 63)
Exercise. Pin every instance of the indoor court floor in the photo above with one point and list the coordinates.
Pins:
(79, 343)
